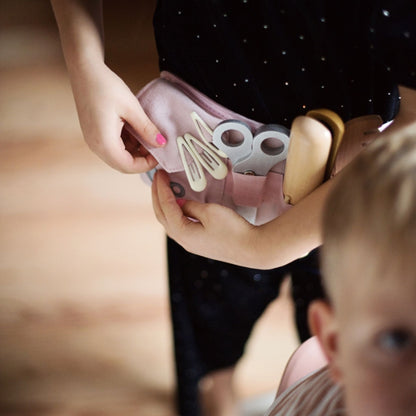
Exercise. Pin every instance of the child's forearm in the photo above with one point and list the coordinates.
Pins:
(294, 233)
(298, 230)
(81, 32)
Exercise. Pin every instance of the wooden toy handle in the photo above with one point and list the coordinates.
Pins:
(336, 126)
(309, 149)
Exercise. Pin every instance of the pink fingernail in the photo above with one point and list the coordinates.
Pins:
(181, 202)
(160, 140)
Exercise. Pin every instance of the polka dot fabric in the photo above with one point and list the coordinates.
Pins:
(274, 60)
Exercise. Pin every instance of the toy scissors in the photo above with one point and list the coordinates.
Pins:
(252, 155)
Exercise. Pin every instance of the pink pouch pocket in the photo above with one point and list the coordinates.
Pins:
(179, 110)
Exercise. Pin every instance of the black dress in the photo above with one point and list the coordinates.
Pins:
(271, 61)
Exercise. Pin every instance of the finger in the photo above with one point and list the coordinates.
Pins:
(132, 145)
(209, 214)
(141, 124)
(166, 198)
(169, 211)
(164, 201)
(195, 210)
(155, 199)
(108, 142)
(143, 163)
(173, 212)
(136, 149)
(115, 154)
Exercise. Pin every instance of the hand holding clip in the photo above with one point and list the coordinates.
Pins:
(211, 228)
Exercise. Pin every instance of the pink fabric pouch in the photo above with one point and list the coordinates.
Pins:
(200, 170)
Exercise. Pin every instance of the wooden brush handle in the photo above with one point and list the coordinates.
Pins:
(336, 126)
(309, 147)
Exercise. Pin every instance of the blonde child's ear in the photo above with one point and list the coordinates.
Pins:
(322, 323)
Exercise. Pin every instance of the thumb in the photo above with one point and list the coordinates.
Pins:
(142, 125)
(195, 210)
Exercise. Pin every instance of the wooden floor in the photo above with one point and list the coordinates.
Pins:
(84, 317)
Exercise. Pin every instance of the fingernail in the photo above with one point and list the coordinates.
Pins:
(181, 202)
(160, 140)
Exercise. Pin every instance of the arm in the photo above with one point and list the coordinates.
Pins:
(298, 230)
(221, 234)
(104, 102)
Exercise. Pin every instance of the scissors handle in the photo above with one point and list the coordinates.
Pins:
(248, 154)
(270, 146)
(234, 138)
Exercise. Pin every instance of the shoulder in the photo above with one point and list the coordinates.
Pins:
(307, 358)
(314, 394)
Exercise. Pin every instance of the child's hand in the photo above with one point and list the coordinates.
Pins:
(219, 233)
(104, 104)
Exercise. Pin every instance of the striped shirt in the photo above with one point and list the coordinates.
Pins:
(313, 395)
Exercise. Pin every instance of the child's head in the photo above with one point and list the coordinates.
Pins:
(368, 329)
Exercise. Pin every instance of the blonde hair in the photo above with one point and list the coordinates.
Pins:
(374, 202)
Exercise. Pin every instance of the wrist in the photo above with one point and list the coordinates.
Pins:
(267, 248)
(82, 64)
(81, 31)
(257, 253)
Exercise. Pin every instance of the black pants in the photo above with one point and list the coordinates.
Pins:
(214, 307)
